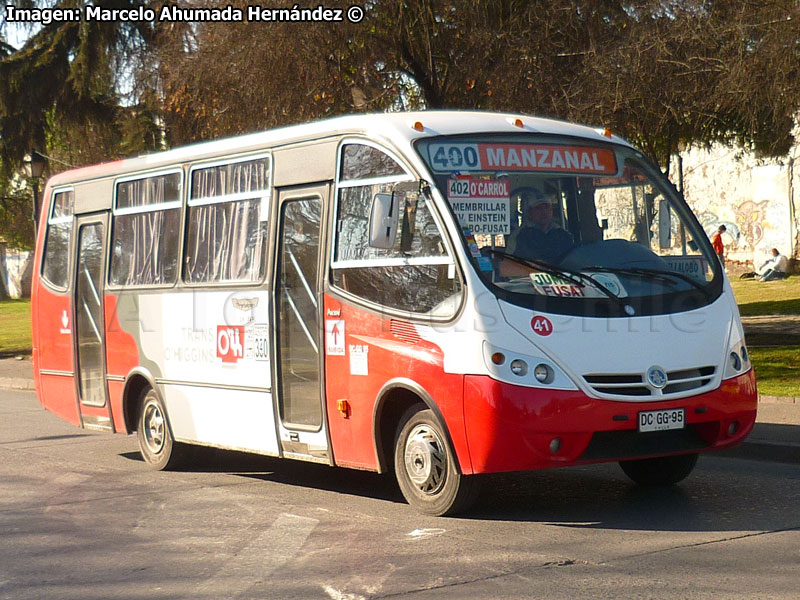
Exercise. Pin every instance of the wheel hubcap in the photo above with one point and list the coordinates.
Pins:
(153, 427)
(426, 459)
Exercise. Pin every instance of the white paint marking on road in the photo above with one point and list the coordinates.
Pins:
(422, 534)
(337, 595)
(256, 561)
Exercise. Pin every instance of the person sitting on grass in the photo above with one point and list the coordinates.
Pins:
(775, 268)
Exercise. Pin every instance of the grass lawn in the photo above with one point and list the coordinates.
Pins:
(777, 370)
(768, 297)
(15, 326)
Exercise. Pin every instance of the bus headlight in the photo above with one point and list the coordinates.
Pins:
(519, 367)
(522, 369)
(543, 373)
(736, 361)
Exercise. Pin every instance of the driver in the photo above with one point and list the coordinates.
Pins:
(540, 237)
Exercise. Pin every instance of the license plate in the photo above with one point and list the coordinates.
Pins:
(662, 420)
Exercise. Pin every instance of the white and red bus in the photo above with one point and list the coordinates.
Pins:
(380, 292)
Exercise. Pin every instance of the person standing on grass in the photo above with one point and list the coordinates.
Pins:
(719, 247)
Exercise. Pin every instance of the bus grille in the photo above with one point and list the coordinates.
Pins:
(635, 384)
(617, 445)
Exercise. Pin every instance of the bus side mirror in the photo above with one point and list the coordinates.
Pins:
(383, 220)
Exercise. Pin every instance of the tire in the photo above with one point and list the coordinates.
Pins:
(664, 470)
(425, 466)
(158, 448)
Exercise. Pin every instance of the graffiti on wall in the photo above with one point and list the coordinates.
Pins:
(711, 222)
(752, 220)
(747, 229)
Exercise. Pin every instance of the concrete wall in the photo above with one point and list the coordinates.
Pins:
(758, 201)
(16, 262)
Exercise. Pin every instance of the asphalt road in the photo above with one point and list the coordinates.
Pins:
(81, 516)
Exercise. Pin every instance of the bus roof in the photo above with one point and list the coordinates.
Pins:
(396, 128)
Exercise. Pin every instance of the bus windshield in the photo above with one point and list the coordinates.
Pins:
(572, 227)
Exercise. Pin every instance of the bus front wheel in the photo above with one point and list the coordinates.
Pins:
(663, 470)
(156, 445)
(425, 466)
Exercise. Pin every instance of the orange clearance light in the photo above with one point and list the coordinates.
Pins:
(419, 126)
(607, 132)
(519, 123)
(344, 408)
(498, 358)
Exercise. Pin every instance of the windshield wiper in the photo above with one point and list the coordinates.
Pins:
(575, 277)
(653, 274)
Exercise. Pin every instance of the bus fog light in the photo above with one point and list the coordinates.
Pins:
(736, 362)
(733, 428)
(519, 367)
(543, 373)
(555, 445)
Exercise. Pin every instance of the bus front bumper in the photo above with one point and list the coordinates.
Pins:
(513, 428)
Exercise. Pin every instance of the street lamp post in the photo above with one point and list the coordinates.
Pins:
(34, 167)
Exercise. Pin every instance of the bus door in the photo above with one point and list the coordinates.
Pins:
(88, 317)
(297, 317)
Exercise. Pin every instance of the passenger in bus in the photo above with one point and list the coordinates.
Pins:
(541, 237)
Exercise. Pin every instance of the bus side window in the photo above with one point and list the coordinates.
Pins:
(226, 227)
(146, 229)
(57, 243)
(360, 162)
(417, 274)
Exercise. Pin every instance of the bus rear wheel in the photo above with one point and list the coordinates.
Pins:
(663, 470)
(426, 469)
(156, 444)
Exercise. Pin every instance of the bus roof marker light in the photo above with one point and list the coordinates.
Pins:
(418, 126)
(519, 123)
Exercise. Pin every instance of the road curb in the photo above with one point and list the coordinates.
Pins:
(26, 352)
(778, 400)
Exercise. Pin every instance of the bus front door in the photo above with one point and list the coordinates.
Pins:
(297, 317)
(88, 316)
